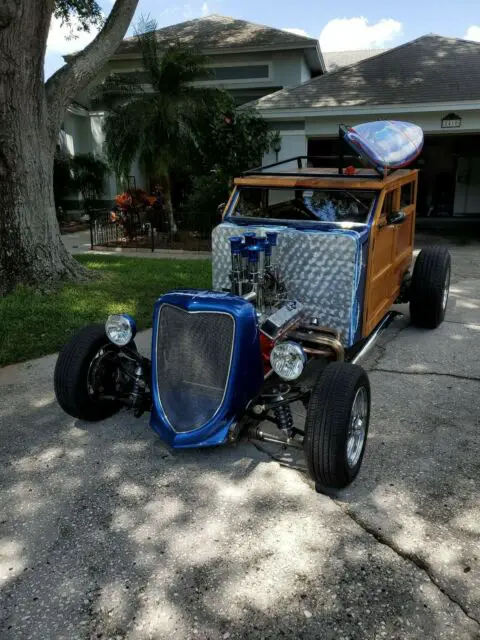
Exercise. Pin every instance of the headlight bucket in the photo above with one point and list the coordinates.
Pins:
(288, 360)
(120, 329)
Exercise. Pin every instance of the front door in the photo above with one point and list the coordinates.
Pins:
(390, 252)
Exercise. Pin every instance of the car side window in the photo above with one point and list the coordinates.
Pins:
(388, 203)
(406, 195)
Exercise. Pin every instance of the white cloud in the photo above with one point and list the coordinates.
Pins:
(297, 32)
(473, 33)
(205, 9)
(187, 11)
(60, 38)
(348, 34)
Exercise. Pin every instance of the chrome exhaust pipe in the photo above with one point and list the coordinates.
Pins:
(381, 326)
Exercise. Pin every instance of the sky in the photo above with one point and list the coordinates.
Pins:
(338, 25)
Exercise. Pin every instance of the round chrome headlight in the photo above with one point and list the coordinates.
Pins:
(120, 329)
(288, 360)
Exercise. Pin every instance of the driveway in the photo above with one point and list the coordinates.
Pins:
(107, 534)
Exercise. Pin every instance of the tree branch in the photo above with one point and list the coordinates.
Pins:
(83, 67)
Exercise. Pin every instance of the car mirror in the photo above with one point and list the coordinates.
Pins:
(397, 217)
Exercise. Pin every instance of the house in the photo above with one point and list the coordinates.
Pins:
(247, 59)
(432, 81)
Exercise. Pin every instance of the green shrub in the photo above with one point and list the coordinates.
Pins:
(201, 207)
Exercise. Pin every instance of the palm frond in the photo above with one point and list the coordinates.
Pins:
(116, 89)
(145, 33)
(181, 65)
(163, 128)
(169, 64)
(124, 130)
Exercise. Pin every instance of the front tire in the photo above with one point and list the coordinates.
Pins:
(74, 386)
(430, 287)
(336, 425)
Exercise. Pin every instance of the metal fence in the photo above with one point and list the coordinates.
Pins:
(137, 231)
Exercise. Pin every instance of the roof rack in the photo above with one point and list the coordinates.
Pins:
(342, 129)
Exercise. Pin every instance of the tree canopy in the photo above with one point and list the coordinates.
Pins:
(87, 12)
(160, 123)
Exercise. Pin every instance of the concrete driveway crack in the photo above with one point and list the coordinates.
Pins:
(458, 376)
(463, 324)
(382, 539)
(406, 555)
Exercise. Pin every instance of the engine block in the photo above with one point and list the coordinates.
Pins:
(255, 272)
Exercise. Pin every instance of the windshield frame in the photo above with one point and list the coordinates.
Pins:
(232, 216)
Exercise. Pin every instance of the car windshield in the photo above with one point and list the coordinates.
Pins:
(333, 205)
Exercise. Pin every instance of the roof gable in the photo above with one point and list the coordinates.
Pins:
(335, 60)
(429, 69)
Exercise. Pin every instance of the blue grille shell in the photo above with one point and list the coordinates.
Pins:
(206, 365)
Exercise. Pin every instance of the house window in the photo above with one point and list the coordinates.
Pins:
(246, 72)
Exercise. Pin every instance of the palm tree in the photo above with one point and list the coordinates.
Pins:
(160, 125)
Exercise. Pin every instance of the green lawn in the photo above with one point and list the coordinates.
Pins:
(33, 325)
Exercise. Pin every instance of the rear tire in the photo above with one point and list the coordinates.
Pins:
(429, 288)
(72, 371)
(333, 453)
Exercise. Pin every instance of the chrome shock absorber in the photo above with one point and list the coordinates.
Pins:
(284, 418)
(281, 409)
(138, 390)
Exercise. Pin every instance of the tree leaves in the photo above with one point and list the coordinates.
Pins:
(238, 142)
(87, 12)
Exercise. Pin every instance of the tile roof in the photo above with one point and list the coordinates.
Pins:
(222, 32)
(429, 69)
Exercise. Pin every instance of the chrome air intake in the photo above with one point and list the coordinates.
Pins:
(254, 271)
(194, 356)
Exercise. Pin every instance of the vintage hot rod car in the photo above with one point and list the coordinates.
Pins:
(307, 263)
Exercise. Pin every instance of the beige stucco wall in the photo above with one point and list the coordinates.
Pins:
(287, 68)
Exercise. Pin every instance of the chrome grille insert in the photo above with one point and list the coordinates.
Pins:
(194, 353)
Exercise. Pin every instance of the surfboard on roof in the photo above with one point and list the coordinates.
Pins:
(386, 145)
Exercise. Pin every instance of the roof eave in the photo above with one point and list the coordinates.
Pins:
(315, 59)
(323, 112)
(245, 49)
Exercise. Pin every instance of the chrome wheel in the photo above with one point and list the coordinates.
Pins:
(446, 290)
(358, 427)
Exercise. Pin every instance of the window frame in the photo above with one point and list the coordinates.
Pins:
(231, 216)
(411, 186)
(213, 65)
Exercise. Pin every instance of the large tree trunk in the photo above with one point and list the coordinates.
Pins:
(31, 248)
